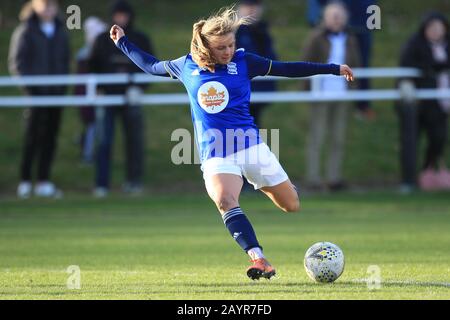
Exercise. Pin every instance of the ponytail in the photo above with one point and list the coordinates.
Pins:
(199, 47)
(219, 24)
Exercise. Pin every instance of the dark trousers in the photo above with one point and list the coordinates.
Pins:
(365, 48)
(134, 143)
(256, 111)
(427, 117)
(41, 133)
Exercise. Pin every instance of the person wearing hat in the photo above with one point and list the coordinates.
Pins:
(106, 58)
(255, 38)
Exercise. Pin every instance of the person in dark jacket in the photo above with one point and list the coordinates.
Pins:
(40, 46)
(106, 58)
(255, 38)
(428, 50)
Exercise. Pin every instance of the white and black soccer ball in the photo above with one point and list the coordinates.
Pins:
(324, 262)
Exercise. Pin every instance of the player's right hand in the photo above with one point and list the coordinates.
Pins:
(116, 33)
(347, 72)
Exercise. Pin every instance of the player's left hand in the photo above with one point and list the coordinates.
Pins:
(347, 72)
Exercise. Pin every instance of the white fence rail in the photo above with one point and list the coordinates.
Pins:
(92, 96)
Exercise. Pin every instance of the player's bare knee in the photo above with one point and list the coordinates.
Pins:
(292, 207)
(226, 202)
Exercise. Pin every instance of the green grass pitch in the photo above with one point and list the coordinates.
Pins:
(176, 247)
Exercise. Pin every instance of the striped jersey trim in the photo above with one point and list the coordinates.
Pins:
(270, 68)
(167, 69)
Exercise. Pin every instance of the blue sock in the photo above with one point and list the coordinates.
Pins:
(240, 229)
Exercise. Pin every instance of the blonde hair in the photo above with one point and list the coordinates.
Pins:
(226, 20)
(26, 11)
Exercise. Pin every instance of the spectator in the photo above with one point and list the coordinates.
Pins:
(255, 38)
(428, 50)
(330, 43)
(92, 27)
(40, 46)
(357, 24)
(106, 58)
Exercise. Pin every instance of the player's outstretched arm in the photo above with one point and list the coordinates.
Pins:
(259, 66)
(306, 69)
(142, 59)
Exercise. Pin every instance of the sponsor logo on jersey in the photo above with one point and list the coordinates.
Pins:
(213, 97)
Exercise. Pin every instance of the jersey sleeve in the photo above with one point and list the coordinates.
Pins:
(150, 64)
(260, 66)
(257, 65)
(175, 67)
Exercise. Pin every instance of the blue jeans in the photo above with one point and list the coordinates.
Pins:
(134, 143)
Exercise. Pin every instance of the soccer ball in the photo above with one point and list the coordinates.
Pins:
(324, 262)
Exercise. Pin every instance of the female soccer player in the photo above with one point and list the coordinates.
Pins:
(217, 79)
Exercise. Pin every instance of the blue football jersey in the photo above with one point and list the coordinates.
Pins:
(220, 106)
(220, 100)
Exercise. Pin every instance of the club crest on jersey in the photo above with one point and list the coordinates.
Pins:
(213, 97)
(232, 68)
